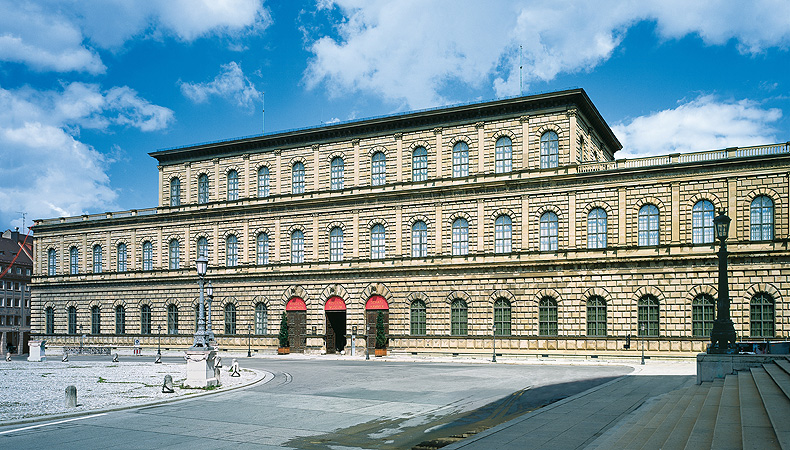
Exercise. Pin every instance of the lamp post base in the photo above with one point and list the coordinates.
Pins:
(200, 368)
(722, 338)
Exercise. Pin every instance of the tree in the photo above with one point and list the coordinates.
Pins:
(283, 336)
(381, 337)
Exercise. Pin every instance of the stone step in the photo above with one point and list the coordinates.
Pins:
(727, 431)
(645, 415)
(780, 377)
(784, 364)
(667, 426)
(680, 434)
(776, 404)
(655, 418)
(702, 433)
(756, 430)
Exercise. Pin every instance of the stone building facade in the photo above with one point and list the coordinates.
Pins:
(512, 213)
(16, 270)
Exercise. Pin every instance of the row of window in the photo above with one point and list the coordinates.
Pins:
(761, 317)
(648, 223)
(549, 158)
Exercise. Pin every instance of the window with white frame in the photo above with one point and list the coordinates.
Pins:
(648, 225)
(419, 164)
(74, 261)
(231, 251)
(175, 191)
(97, 258)
(52, 262)
(202, 247)
(297, 178)
(174, 256)
(121, 257)
(336, 244)
(337, 174)
(233, 185)
(377, 242)
(503, 155)
(419, 239)
(460, 231)
(262, 249)
(596, 228)
(203, 189)
(297, 247)
(549, 231)
(378, 174)
(503, 233)
(148, 255)
(702, 222)
(263, 182)
(460, 159)
(761, 219)
(261, 315)
(549, 150)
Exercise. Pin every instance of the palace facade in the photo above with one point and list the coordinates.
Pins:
(510, 218)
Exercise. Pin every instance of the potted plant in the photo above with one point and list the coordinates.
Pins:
(285, 347)
(381, 338)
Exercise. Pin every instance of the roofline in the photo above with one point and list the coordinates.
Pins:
(393, 123)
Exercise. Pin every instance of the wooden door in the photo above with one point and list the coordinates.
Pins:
(297, 330)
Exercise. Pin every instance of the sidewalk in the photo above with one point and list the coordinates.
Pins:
(577, 421)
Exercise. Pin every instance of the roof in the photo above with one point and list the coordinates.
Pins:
(395, 123)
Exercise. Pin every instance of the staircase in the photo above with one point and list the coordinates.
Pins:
(746, 410)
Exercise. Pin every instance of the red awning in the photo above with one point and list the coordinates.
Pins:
(335, 304)
(377, 302)
(296, 304)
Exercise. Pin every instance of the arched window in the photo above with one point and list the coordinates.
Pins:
(72, 319)
(203, 188)
(460, 159)
(460, 237)
(261, 315)
(263, 182)
(336, 244)
(174, 260)
(336, 175)
(417, 318)
(762, 219)
(378, 169)
(647, 316)
(377, 242)
(145, 319)
(503, 232)
(175, 191)
(419, 164)
(95, 320)
(52, 262)
(74, 261)
(231, 251)
(121, 263)
(702, 222)
(262, 249)
(458, 318)
(120, 320)
(761, 313)
(648, 225)
(172, 319)
(233, 185)
(148, 255)
(97, 257)
(503, 155)
(549, 150)
(596, 316)
(501, 317)
(548, 231)
(230, 318)
(297, 247)
(596, 228)
(547, 317)
(419, 240)
(202, 247)
(702, 315)
(297, 178)
(49, 314)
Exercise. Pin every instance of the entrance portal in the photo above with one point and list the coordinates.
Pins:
(374, 305)
(335, 309)
(297, 324)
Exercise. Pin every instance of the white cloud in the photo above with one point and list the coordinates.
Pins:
(46, 170)
(64, 36)
(701, 124)
(230, 83)
(409, 52)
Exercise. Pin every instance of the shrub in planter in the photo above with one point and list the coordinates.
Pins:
(285, 347)
(381, 337)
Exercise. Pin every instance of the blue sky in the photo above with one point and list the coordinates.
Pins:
(89, 87)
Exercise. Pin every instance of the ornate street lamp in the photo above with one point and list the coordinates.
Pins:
(722, 336)
(159, 339)
(249, 337)
(209, 329)
(200, 334)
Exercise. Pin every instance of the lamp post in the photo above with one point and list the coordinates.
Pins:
(249, 337)
(210, 298)
(200, 334)
(642, 332)
(722, 336)
(493, 329)
(159, 340)
(82, 337)
(353, 340)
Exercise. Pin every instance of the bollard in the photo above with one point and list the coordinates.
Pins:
(65, 357)
(71, 397)
(234, 369)
(115, 358)
(8, 356)
(167, 387)
(367, 355)
(158, 360)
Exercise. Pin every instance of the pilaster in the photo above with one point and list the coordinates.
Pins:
(480, 227)
(316, 164)
(675, 213)
(356, 156)
(622, 220)
(439, 152)
(398, 157)
(572, 223)
(524, 141)
(481, 153)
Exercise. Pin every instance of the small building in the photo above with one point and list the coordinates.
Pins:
(513, 213)
(16, 269)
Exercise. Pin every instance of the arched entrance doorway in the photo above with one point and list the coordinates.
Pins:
(297, 324)
(335, 310)
(373, 306)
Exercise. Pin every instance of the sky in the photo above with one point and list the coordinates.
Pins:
(89, 87)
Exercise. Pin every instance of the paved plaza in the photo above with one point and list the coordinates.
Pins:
(342, 402)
